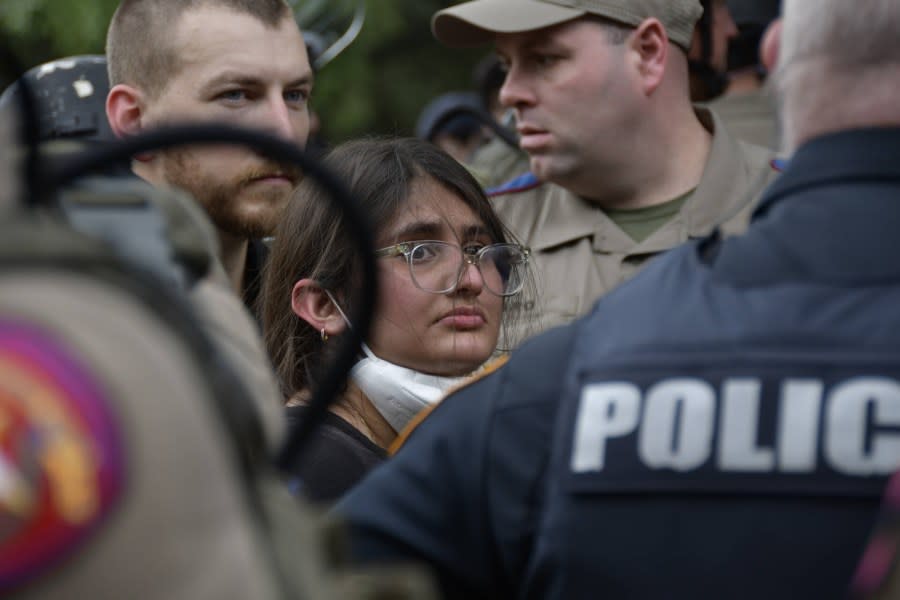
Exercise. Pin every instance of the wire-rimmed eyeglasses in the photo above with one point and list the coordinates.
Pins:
(437, 267)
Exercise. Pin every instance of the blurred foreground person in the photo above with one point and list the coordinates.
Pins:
(133, 463)
(720, 427)
(448, 278)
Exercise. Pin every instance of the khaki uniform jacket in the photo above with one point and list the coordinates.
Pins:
(749, 116)
(578, 254)
(496, 163)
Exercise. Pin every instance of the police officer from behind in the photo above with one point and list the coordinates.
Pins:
(720, 427)
(623, 167)
(240, 62)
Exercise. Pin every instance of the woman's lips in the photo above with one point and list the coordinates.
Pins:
(464, 318)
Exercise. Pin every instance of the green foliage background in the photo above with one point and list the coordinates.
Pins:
(376, 86)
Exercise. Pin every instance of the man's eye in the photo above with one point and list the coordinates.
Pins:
(296, 96)
(545, 60)
(232, 96)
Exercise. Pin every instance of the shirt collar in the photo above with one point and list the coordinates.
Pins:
(868, 154)
(566, 217)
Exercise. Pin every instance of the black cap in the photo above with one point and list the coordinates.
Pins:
(444, 109)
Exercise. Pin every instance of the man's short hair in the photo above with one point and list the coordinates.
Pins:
(137, 46)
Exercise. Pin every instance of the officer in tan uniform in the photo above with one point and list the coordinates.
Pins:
(131, 463)
(623, 167)
(747, 106)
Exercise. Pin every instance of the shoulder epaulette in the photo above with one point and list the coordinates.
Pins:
(525, 181)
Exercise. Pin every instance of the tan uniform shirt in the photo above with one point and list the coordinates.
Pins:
(496, 162)
(750, 116)
(579, 254)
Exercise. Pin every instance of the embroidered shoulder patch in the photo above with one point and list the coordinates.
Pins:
(61, 460)
(523, 182)
(488, 368)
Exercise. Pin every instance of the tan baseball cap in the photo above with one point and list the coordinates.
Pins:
(475, 23)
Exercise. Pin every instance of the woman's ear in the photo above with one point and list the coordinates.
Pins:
(649, 42)
(311, 303)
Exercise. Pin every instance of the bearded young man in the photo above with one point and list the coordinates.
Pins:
(241, 62)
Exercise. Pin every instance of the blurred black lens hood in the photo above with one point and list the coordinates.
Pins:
(94, 159)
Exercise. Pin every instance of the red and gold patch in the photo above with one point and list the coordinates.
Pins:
(61, 460)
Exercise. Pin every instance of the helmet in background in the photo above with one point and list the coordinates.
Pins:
(71, 98)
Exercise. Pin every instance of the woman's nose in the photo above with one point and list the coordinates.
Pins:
(470, 279)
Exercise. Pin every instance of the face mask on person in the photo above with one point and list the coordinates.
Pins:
(398, 393)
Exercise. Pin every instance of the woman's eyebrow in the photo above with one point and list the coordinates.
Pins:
(434, 229)
(419, 229)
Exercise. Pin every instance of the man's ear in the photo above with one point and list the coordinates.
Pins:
(310, 302)
(649, 43)
(125, 110)
(770, 45)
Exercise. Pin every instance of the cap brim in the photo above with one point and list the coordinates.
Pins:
(475, 23)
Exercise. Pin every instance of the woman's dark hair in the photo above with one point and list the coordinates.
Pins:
(310, 241)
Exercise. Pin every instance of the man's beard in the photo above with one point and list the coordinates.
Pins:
(231, 206)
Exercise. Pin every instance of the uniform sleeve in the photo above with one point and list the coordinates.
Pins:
(461, 493)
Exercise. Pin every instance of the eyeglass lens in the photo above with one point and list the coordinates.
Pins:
(438, 266)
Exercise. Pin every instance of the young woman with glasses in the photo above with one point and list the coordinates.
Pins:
(450, 282)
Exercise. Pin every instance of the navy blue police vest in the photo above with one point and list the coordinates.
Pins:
(725, 431)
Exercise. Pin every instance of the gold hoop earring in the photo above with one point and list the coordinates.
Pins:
(324, 335)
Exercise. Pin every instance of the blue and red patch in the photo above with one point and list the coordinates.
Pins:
(61, 459)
